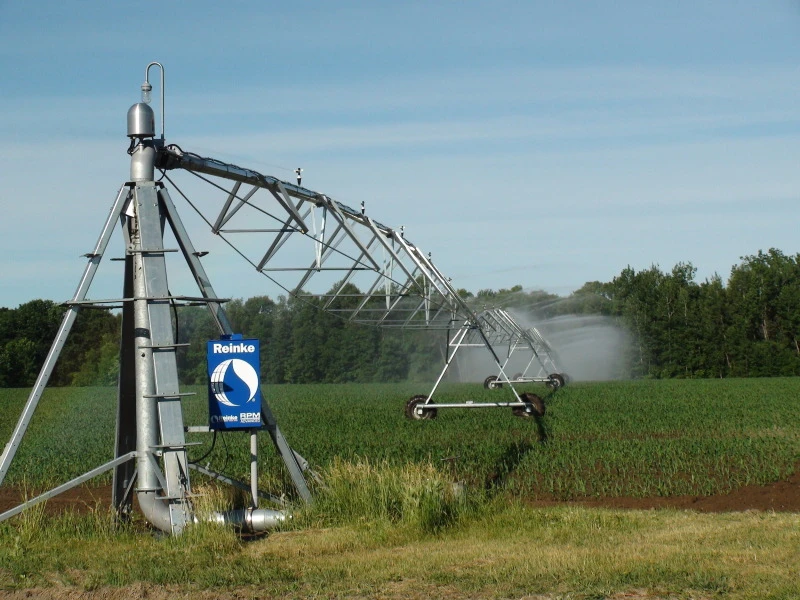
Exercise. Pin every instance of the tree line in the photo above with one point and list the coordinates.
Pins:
(747, 326)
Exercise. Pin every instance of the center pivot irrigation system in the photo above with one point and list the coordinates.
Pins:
(290, 235)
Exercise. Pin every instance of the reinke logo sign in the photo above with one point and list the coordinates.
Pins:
(234, 395)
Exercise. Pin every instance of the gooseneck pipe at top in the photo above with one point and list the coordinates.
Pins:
(147, 88)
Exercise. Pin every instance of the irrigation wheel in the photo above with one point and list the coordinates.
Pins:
(556, 381)
(421, 413)
(535, 406)
(491, 383)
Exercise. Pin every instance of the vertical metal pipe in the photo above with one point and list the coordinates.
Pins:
(146, 410)
(155, 510)
(148, 487)
(142, 170)
(254, 466)
(143, 161)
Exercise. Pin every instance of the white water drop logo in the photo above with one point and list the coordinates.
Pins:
(234, 382)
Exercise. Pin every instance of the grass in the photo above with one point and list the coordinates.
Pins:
(503, 551)
(389, 522)
(412, 495)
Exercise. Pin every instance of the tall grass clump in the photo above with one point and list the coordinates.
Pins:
(205, 536)
(366, 492)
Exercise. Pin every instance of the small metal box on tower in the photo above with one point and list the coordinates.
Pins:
(234, 392)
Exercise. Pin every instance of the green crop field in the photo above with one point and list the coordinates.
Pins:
(633, 438)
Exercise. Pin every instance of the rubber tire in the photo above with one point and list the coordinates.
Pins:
(556, 381)
(490, 383)
(427, 413)
(536, 404)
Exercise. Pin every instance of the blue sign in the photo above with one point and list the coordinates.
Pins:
(234, 393)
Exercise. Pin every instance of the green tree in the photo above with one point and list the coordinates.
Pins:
(713, 330)
(195, 327)
(95, 334)
(279, 347)
(764, 308)
(19, 363)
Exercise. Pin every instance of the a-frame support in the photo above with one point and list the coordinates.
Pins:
(61, 335)
(149, 413)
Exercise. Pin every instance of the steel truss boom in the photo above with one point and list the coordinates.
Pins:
(370, 272)
(360, 269)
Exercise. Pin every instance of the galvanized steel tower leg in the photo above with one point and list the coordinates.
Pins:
(125, 474)
(158, 398)
(61, 337)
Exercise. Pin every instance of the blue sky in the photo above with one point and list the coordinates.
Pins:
(537, 143)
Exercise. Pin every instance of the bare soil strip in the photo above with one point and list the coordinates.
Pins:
(781, 496)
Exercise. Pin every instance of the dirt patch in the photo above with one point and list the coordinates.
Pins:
(780, 496)
(81, 499)
(136, 591)
(155, 592)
